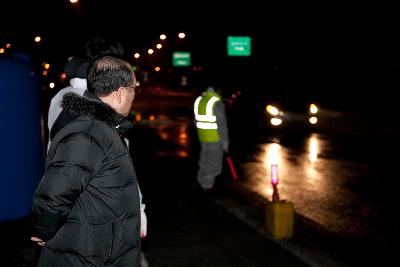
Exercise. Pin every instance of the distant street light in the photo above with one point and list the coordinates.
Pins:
(163, 37)
(181, 35)
(136, 55)
(150, 51)
(159, 46)
(38, 39)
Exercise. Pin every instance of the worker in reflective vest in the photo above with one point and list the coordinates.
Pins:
(212, 131)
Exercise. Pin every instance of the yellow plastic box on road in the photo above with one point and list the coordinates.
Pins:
(280, 219)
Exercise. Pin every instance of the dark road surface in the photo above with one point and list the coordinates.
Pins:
(185, 227)
(340, 178)
(342, 187)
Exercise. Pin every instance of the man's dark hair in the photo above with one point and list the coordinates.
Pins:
(98, 47)
(106, 74)
(77, 68)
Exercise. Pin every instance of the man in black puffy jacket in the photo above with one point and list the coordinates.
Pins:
(86, 206)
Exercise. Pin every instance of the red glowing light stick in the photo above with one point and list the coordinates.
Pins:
(274, 174)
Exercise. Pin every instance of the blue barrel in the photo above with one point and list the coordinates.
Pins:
(21, 160)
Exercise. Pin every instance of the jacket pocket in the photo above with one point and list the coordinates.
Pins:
(99, 240)
(70, 238)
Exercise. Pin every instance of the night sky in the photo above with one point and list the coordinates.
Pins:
(342, 53)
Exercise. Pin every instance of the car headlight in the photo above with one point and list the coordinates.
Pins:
(313, 109)
(272, 110)
(313, 120)
(276, 121)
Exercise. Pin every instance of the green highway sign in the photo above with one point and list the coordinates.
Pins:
(181, 59)
(239, 46)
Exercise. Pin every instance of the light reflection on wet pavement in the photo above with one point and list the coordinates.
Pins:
(341, 184)
(316, 185)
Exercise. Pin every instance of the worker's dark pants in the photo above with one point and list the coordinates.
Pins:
(210, 163)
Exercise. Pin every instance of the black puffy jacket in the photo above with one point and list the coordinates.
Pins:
(86, 206)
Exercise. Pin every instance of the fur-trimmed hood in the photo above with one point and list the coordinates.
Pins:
(91, 107)
(88, 106)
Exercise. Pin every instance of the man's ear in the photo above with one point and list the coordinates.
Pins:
(119, 91)
(118, 94)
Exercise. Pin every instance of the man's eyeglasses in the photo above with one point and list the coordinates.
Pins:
(136, 88)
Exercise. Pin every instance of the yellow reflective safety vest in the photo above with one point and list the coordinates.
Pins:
(206, 121)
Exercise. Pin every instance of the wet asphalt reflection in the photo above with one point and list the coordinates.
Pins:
(344, 183)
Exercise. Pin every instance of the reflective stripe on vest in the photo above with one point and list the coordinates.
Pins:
(206, 123)
(208, 117)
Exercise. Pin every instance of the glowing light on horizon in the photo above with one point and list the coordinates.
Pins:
(313, 108)
(272, 110)
(313, 120)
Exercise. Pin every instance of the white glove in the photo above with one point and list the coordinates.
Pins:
(143, 225)
(143, 217)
